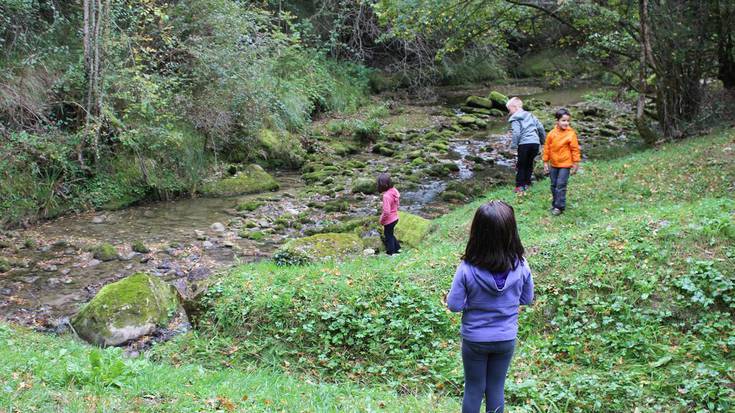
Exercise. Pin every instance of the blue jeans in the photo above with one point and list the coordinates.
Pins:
(485, 367)
(559, 178)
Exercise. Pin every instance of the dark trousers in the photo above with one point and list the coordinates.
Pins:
(392, 245)
(485, 367)
(524, 167)
(559, 178)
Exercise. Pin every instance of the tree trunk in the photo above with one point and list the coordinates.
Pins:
(724, 16)
(644, 130)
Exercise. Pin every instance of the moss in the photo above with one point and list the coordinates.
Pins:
(249, 205)
(338, 205)
(364, 185)
(132, 305)
(252, 180)
(499, 100)
(253, 235)
(317, 248)
(355, 225)
(4, 265)
(30, 243)
(282, 149)
(105, 252)
(411, 229)
(452, 196)
(384, 149)
(418, 162)
(138, 246)
(479, 111)
(479, 102)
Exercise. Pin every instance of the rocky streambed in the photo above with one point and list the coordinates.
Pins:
(440, 153)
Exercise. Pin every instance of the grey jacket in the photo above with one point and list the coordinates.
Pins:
(526, 129)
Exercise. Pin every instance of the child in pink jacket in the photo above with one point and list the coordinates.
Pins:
(389, 217)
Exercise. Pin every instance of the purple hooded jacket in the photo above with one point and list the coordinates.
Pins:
(489, 313)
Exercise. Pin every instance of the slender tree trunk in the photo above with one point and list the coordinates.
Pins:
(644, 130)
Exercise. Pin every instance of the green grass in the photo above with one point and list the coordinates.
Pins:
(634, 311)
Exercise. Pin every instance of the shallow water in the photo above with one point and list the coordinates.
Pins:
(59, 273)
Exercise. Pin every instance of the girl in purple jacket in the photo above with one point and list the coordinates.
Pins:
(389, 216)
(491, 282)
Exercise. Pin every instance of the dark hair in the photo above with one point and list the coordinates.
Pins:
(384, 183)
(561, 112)
(494, 243)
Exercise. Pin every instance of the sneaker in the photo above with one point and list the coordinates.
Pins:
(556, 211)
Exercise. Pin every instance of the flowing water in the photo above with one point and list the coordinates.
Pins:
(55, 271)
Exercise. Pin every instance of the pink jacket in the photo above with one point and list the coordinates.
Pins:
(391, 201)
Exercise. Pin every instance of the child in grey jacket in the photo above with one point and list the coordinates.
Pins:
(527, 135)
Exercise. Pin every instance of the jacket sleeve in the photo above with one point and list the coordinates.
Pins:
(540, 131)
(515, 127)
(574, 147)
(527, 292)
(547, 147)
(457, 297)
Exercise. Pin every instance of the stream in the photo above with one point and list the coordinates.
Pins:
(54, 271)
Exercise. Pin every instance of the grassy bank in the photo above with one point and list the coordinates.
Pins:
(634, 311)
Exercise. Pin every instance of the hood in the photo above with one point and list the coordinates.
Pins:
(521, 115)
(485, 280)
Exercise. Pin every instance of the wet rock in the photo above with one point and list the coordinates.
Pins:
(499, 100)
(128, 256)
(49, 268)
(200, 235)
(6, 291)
(364, 185)
(4, 265)
(139, 247)
(53, 281)
(207, 245)
(104, 252)
(217, 227)
(93, 263)
(99, 219)
(125, 310)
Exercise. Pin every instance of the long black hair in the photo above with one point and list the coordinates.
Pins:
(494, 243)
(384, 182)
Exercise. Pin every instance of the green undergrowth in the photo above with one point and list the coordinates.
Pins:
(634, 312)
(48, 374)
(634, 287)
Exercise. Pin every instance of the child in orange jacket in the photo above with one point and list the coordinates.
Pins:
(561, 150)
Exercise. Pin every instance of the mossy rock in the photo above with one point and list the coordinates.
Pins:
(249, 206)
(479, 102)
(318, 247)
(338, 205)
(411, 229)
(341, 149)
(253, 235)
(364, 185)
(498, 100)
(282, 149)
(384, 149)
(253, 179)
(105, 252)
(497, 113)
(418, 162)
(30, 243)
(452, 196)
(126, 309)
(4, 265)
(139, 247)
(478, 111)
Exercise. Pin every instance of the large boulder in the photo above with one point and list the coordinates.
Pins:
(126, 310)
(411, 229)
(252, 180)
(319, 247)
(498, 100)
(281, 149)
(479, 102)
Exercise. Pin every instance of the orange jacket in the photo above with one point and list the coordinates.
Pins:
(562, 148)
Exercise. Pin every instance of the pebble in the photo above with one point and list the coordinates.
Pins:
(93, 262)
(65, 271)
(6, 291)
(50, 268)
(207, 245)
(99, 219)
(217, 227)
(200, 236)
(128, 256)
(368, 251)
